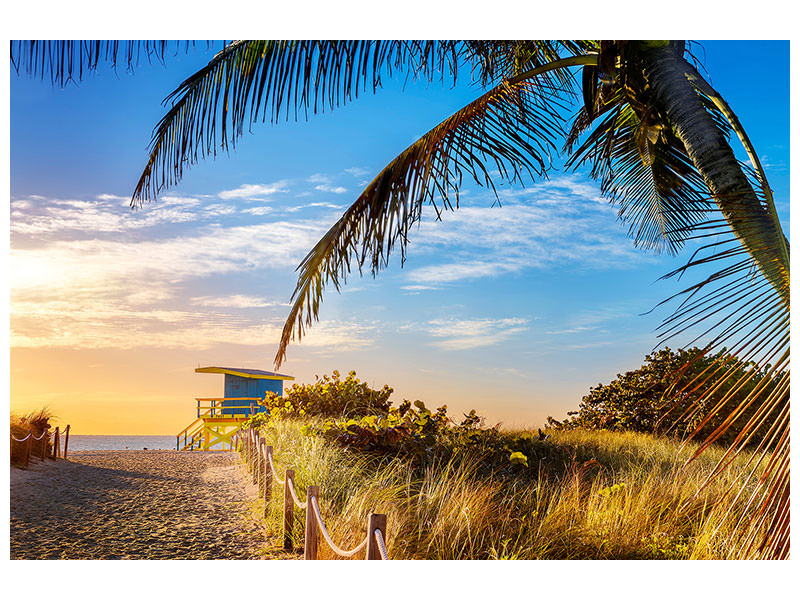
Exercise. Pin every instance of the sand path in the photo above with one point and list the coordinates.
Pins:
(155, 504)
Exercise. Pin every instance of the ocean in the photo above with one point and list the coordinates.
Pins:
(121, 442)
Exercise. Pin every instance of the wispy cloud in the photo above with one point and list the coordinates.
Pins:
(314, 205)
(258, 210)
(333, 189)
(357, 172)
(465, 334)
(562, 222)
(325, 183)
(234, 301)
(251, 191)
(95, 292)
(101, 216)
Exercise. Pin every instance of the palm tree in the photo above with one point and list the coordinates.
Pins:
(654, 132)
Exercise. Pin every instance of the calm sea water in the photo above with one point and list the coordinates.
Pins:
(121, 442)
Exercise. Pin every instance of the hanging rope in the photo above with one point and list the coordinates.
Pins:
(274, 472)
(315, 507)
(327, 536)
(381, 545)
(294, 495)
(13, 437)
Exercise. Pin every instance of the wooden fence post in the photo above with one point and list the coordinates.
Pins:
(374, 522)
(257, 465)
(56, 443)
(312, 528)
(66, 441)
(28, 449)
(267, 480)
(252, 449)
(43, 446)
(288, 511)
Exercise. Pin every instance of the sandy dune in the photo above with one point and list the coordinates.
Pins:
(155, 504)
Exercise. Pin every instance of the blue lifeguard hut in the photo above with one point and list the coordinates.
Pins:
(218, 418)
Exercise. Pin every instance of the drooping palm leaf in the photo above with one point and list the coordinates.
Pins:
(492, 61)
(509, 128)
(65, 61)
(266, 80)
(656, 187)
(738, 307)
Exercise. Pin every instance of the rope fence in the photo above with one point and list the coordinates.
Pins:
(258, 458)
(42, 446)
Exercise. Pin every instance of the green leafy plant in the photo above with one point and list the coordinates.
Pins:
(673, 392)
(329, 396)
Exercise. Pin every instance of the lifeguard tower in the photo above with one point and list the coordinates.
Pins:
(218, 418)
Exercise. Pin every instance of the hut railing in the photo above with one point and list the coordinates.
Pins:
(213, 407)
(258, 458)
(41, 444)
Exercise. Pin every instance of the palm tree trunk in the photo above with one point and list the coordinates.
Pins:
(666, 72)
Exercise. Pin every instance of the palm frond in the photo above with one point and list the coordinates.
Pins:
(737, 308)
(65, 61)
(266, 80)
(494, 60)
(644, 170)
(510, 129)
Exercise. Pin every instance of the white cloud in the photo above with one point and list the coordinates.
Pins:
(234, 301)
(64, 217)
(96, 292)
(258, 210)
(252, 191)
(314, 205)
(113, 197)
(325, 184)
(457, 271)
(357, 172)
(319, 178)
(465, 334)
(218, 210)
(559, 222)
(331, 189)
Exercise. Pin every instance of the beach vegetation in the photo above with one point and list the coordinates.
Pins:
(647, 125)
(675, 393)
(330, 396)
(580, 494)
(35, 422)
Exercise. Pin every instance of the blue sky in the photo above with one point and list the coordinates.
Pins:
(514, 310)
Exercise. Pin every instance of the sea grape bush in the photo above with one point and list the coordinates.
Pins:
(659, 397)
(422, 435)
(329, 396)
(401, 429)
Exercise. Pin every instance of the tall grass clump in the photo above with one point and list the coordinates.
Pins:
(34, 422)
(582, 494)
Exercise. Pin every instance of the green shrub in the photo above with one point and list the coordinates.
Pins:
(664, 396)
(330, 396)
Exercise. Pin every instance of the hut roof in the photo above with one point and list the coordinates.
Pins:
(246, 373)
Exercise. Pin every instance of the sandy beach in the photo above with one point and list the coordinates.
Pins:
(155, 504)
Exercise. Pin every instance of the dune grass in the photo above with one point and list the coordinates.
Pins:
(620, 496)
(34, 422)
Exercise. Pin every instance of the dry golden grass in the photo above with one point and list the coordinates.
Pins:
(626, 496)
(21, 425)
